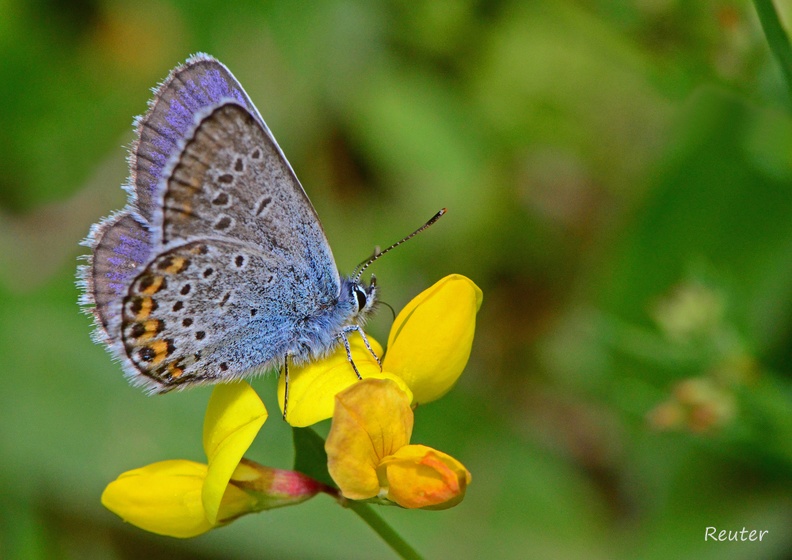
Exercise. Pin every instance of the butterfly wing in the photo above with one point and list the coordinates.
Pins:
(232, 182)
(243, 260)
(122, 246)
(265, 209)
(199, 83)
(194, 315)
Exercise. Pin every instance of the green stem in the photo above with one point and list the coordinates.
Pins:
(776, 38)
(373, 520)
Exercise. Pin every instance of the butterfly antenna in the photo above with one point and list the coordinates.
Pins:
(365, 264)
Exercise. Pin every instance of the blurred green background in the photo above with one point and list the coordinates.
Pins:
(619, 184)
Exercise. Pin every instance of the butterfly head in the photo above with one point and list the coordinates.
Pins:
(362, 296)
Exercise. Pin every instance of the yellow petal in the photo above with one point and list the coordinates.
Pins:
(313, 387)
(422, 477)
(429, 343)
(233, 418)
(372, 420)
(163, 498)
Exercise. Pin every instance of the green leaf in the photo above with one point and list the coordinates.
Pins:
(776, 37)
(309, 455)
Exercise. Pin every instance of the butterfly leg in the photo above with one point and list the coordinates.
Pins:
(365, 341)
(345, 340)
(286, 385)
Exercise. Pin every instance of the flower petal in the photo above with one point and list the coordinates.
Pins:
(372, 420)
(313, 387)
(233, 418)
(163, 498)
(422, 477)
(430, 340)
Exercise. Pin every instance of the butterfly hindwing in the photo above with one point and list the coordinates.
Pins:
(194, 315)
(122, 246)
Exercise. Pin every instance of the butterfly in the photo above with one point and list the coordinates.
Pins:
(218, 267)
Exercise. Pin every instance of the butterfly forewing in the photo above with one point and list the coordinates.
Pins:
(243, 260)
(232, 183)
(201, 82)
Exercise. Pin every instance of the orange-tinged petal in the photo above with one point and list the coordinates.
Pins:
(233, 418)
(162, 498)
(313, 387)
(422, 477)
(372, 420)
(430, 340)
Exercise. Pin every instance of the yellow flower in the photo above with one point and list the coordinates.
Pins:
(313, 386)
(428, 347)
(165, 498)
(183, 499)
(421, 477)
(233, 418)
(430, 340)
(370, 456)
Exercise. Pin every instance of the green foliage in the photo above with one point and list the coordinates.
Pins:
(309, 455)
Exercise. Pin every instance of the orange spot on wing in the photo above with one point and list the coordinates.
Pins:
(186, 209)
(174, 371)
(146, 305)
(160, 348)
(152, 327)
(177, 265)
(154, 287)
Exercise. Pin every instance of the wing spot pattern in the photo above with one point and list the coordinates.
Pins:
(223, 223)
(222, 199)
(262, 205)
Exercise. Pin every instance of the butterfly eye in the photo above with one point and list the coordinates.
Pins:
(360, 295)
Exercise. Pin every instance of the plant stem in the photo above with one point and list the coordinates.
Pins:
(776, 38)
(373, 520)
